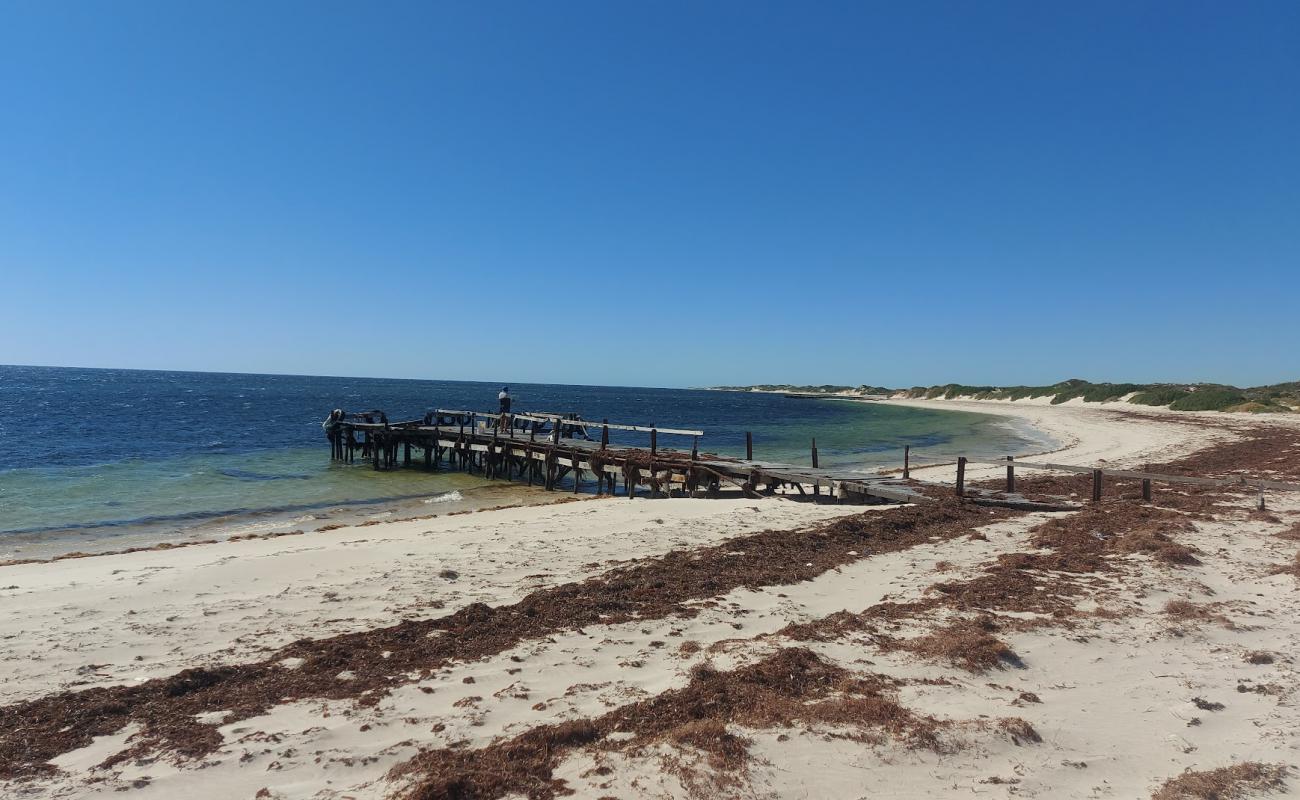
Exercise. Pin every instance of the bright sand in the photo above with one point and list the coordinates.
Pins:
(1116, 712)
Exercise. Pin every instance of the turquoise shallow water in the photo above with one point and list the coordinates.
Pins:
(100, 453)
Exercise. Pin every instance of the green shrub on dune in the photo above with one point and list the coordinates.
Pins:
(1277, 398)
(1159, 396)
(1106, 392)
(1209, 400)
(1252, 407)
(1026, 392)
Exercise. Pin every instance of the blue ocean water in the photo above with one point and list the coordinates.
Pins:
(96, 449)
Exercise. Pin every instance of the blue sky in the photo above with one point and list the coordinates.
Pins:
(664, 193)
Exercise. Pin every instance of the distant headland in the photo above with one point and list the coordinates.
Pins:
(1275, 398)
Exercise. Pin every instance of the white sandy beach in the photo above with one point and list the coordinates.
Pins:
(1114, 696)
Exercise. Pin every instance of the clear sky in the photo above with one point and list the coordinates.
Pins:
(654, 193)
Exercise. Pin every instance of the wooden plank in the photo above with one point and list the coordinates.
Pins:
(580, 423)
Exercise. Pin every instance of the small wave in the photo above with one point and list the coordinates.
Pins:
(449, 497)
(248, 475)
(185, 516)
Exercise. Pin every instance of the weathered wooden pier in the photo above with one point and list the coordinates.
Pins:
(553, 449)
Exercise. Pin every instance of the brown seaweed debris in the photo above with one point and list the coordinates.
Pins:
(967, 643)
(1292, 568)
(33, 732)
(1259, 452)
(790, 686)
(1082, 541)
(1224, 783)
(1047, 583)
(1187, 611)
(1291, 534)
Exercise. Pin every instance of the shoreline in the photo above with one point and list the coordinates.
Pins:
(1086, 432)
(1094, 434)
(184, 530)
(414, 491)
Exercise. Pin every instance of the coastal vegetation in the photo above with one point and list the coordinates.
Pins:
(1282, 397)
(827, 388)
(1275, 398)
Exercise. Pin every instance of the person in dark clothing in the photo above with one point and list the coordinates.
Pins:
(503, 400)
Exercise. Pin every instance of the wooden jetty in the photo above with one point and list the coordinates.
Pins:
(549, 448)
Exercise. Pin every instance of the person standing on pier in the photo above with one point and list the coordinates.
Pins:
(503, 400)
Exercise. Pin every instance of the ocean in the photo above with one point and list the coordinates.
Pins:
(95, 459)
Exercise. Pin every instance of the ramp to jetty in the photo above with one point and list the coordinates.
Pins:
(551, 450)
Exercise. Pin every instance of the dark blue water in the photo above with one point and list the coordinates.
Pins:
(86, 448)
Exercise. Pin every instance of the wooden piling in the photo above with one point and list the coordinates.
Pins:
(1146, 489)
(1096, 486)
(1011, 475)
(907, 461)
(814, 452)
(961, 476)
(749, 446)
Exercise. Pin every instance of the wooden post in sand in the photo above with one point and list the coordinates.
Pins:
(1146, 489)
(604, 435)
(961, 476)
(654, 439)
(814, 452)
(907, 459)
(1261, 498)
(749, 446)
(1011, 475)
(1096, 486)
